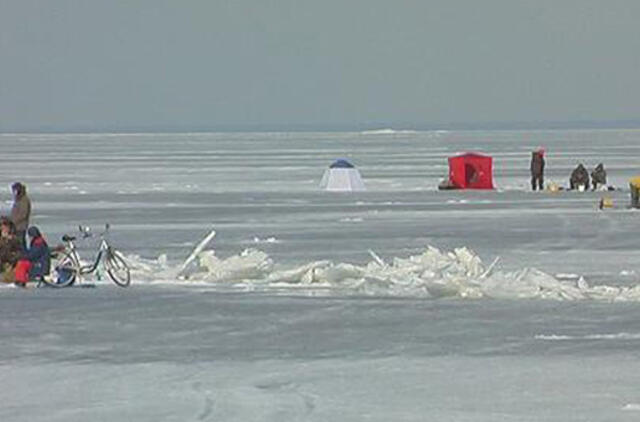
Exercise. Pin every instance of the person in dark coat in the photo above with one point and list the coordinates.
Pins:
(537, 169)
(599, 176)
(38, 254)
(20, 211)
(579, 177)
(11, 250)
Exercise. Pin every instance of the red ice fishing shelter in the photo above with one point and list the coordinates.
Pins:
(471, 171)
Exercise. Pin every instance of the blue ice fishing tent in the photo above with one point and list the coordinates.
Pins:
(342, 176)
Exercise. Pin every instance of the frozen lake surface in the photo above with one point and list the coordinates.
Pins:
(263, 349)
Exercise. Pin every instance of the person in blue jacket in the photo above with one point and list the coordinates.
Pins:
(38, 254)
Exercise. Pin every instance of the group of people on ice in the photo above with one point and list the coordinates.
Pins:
(20, 262)
(579, 179)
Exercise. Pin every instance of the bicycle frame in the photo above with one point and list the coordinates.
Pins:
(72, 250)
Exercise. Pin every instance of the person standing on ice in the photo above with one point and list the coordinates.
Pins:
(20, 211)
(537, 169)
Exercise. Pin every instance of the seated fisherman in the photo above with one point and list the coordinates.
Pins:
(38, 254)
(579, 177)
(10, 250)
(634, 185)
(599, 176)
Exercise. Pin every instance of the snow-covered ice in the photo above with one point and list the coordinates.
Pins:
(399, 303)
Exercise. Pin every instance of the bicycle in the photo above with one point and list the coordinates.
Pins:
(68, 267)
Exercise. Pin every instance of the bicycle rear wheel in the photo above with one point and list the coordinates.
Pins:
(117, 268)
(65, 271)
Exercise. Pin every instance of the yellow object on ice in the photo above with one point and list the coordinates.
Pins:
(606, 202)
(635, 181)
(553, 187)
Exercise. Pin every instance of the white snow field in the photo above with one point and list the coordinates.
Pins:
(399, 303)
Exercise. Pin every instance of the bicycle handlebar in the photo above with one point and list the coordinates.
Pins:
(86, 231)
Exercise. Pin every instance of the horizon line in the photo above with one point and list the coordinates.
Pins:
(358, 128)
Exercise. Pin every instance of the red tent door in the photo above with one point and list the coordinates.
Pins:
(470, 175)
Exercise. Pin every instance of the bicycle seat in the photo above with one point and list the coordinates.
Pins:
(67, 238)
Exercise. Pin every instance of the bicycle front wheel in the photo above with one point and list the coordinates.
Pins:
(66, 270)
(118, 269)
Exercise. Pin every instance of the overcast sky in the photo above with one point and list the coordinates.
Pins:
(322, 64)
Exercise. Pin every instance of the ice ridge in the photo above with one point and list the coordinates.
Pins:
(432, 273)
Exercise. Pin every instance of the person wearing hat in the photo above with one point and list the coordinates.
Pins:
(579, 178)
(20, 211)
(38, 255)
(599, 176)
(537, 169)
